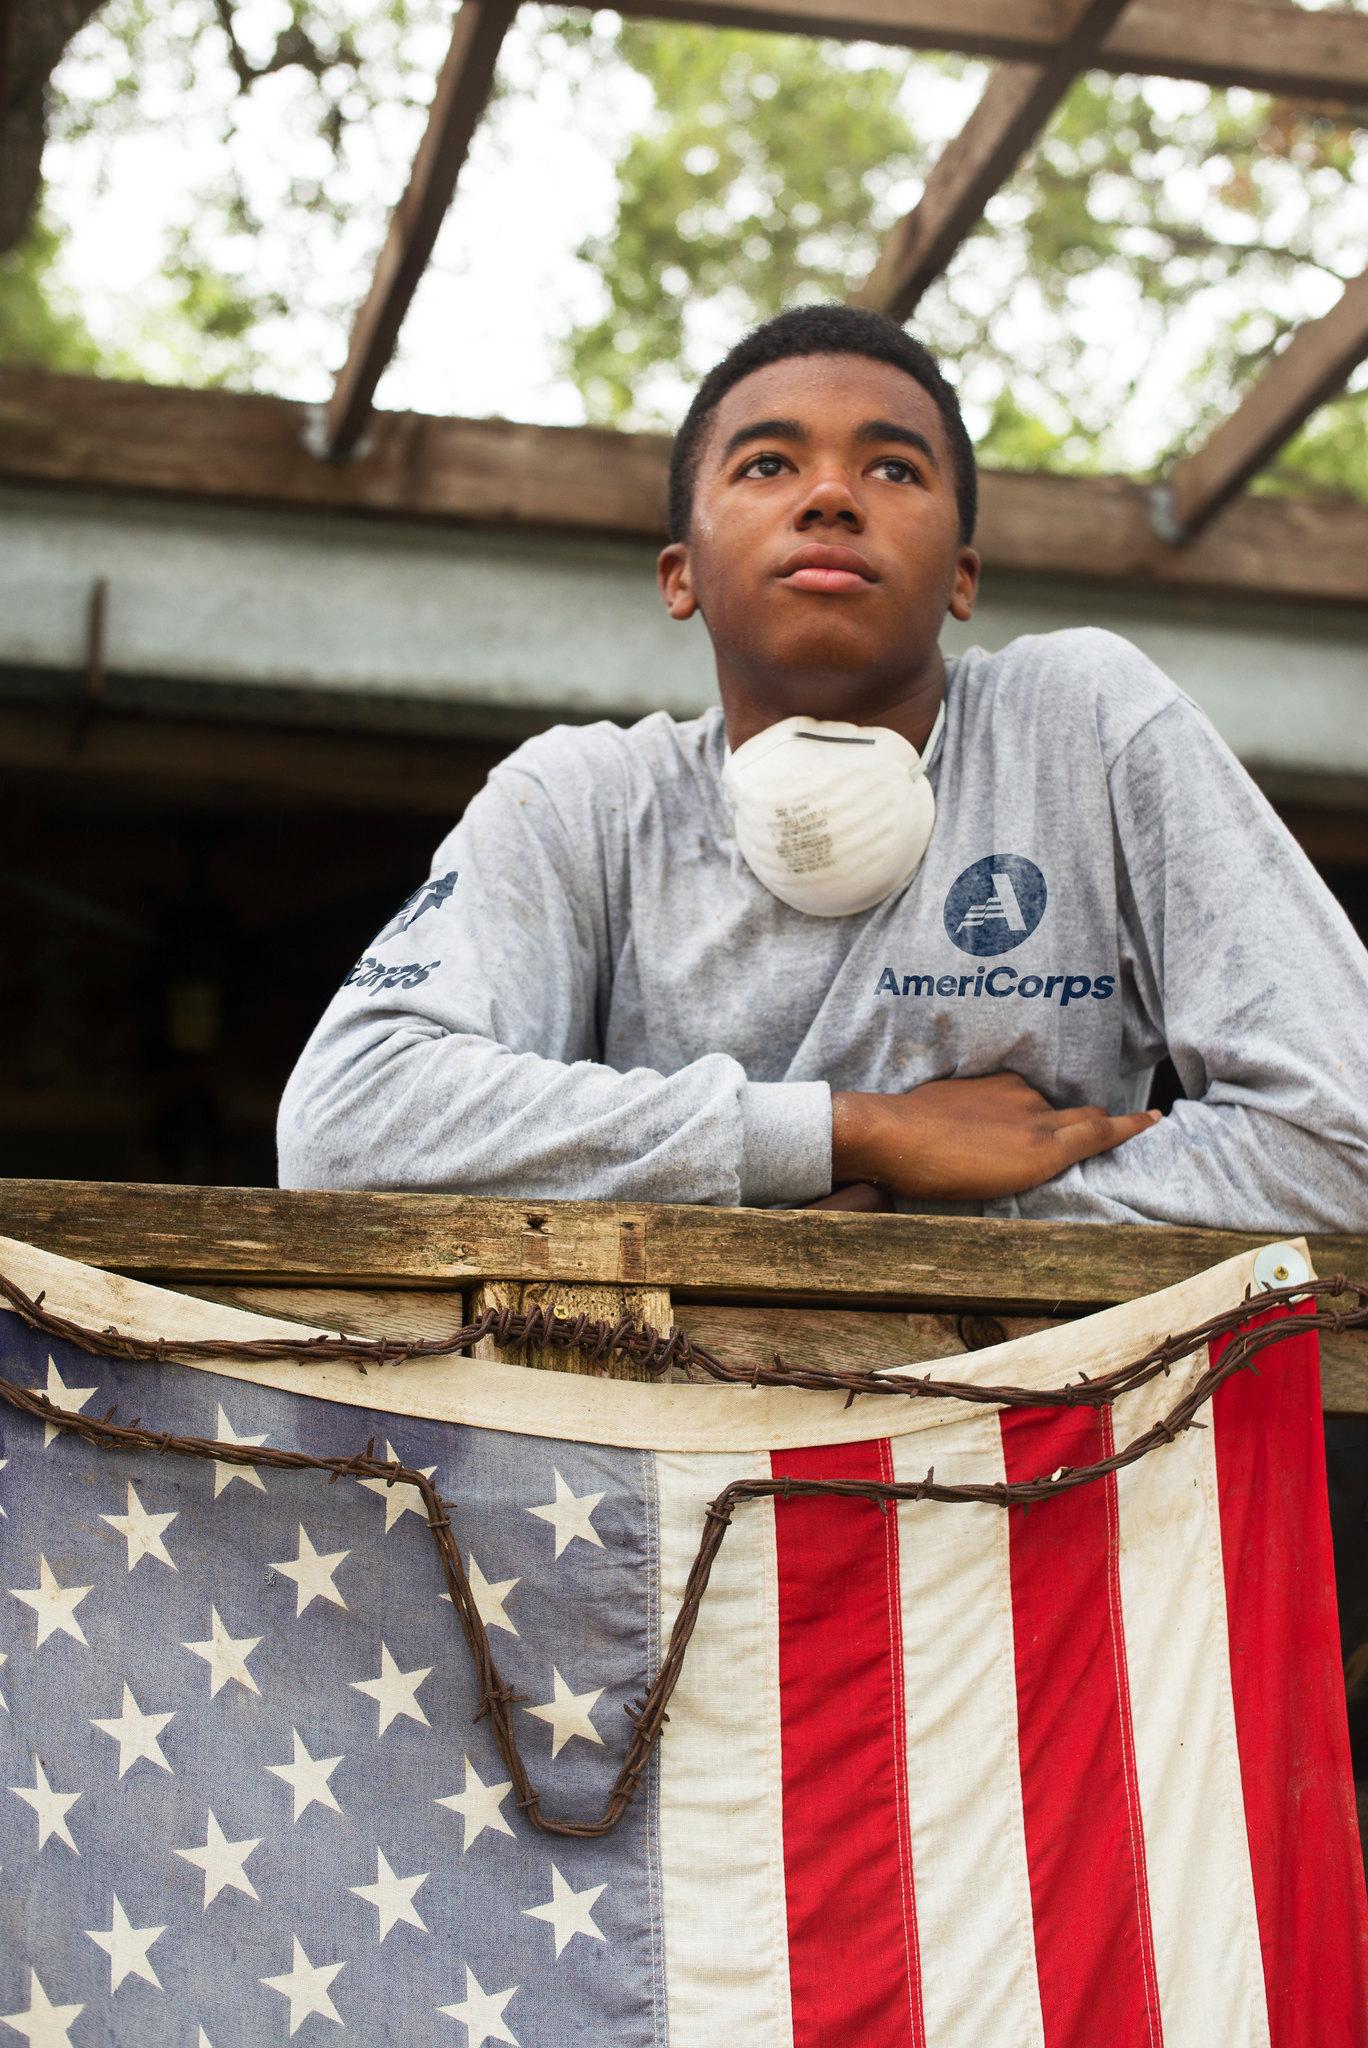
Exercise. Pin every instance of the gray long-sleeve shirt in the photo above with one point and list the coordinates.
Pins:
(594, 997)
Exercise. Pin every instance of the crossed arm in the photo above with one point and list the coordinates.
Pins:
(471, 1072)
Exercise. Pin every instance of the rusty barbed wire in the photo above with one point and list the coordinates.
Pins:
(648, 1716)
(652, 1352)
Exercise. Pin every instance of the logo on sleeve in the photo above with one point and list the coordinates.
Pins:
(995, 904)
(431, 896)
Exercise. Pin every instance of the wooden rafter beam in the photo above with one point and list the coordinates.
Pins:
(236, 448)
(1016, 105)
(222, 761)
(463, 90)
(1262, 44)
(1313, 367)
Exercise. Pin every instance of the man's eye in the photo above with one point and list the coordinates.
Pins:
(909, 472)
(756, 460)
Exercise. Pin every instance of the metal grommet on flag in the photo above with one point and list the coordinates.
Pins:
(1280, 1265)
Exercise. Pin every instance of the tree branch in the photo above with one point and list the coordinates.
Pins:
(33, 36)
(294, 45)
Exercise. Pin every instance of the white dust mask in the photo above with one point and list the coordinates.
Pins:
(831, 817)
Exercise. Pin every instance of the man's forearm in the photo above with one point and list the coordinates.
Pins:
(1222, 1166)
(410, 1107)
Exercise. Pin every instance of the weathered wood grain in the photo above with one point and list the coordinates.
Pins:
(801, 1336)
(231, 447)
(875, 1340)
(648, 1305)
(407, 1312)
(798, 1256)
(817, 1338)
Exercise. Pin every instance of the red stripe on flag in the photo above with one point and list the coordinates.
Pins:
(854, 1969)
(1085, 1846)
(1288, 1687)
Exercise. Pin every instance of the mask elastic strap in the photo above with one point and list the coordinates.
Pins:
(934, 739)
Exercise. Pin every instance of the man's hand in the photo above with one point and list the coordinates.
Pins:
(963, 1141)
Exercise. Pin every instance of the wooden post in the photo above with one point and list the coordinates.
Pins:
(649, 1305)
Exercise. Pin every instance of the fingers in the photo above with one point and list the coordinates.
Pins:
(1091, 1113)
(1084, 1133)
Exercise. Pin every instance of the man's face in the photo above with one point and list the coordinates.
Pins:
(834, 453)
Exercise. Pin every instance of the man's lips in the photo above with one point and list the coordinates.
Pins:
(826, 568)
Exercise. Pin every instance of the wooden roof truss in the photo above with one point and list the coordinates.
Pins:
(1043, 45)
(95, 433)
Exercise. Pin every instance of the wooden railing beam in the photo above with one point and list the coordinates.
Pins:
(250, 1235)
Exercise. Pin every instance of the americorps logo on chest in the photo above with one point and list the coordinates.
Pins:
(995, 904)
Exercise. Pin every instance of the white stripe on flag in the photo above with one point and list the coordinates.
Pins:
(963, 1775)
(1201, 1888)
(721, 1788)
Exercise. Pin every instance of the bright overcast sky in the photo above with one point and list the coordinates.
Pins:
(505, 284)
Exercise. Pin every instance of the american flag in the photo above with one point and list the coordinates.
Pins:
(947, 1776)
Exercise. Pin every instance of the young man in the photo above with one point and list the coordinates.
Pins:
(883, 916)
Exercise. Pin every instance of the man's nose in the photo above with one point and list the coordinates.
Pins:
(831, 499)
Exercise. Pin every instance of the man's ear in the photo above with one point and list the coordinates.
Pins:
(675, 578)
(965, 587)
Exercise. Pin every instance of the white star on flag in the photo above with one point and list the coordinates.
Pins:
(569, 1912)
(224, 1473)
(489, 1599)
(141, 1531)
(222, 1862)
(44, 2025)
(126, 1946)
(226, 1657)
(391, 1896)
(482, 2013)
(305, 1985)
(478, 1806)
(61, 1396)
(313, 1574)
(136, 1733)
(394, 1691)
(568, 1713)
(51, 1807)
(307, 1777)
(570, 1515)
(54, 1605)
(403, 1499)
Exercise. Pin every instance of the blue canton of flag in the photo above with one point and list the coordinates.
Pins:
(245, 1797)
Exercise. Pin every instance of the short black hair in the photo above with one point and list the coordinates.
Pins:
(820, 330)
